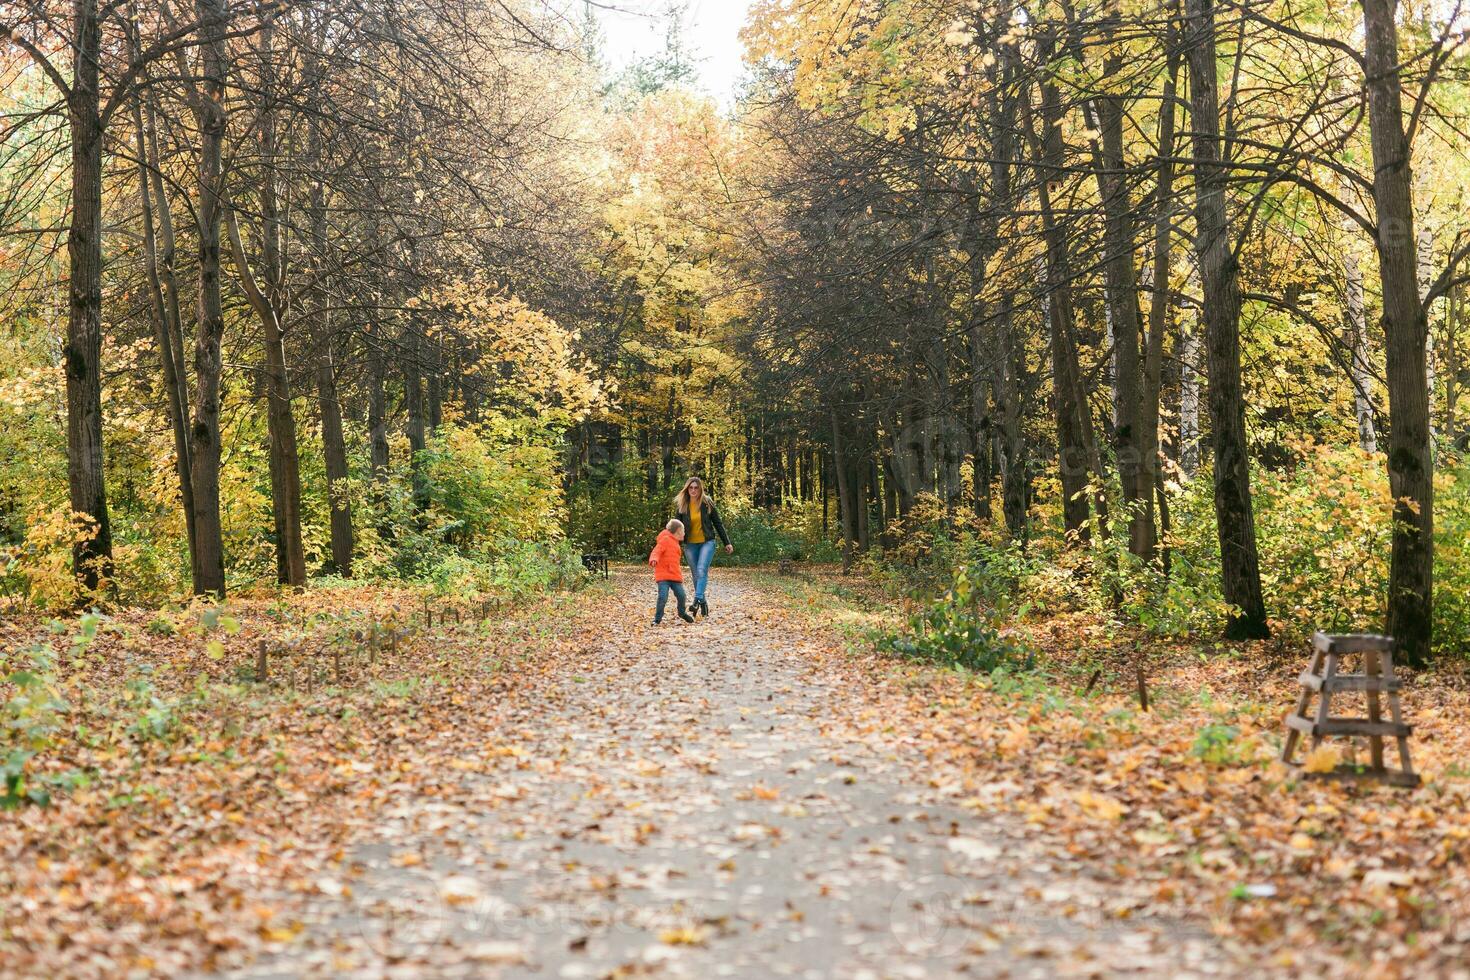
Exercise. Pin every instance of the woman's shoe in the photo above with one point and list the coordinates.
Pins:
(703, 607)
(686, 617)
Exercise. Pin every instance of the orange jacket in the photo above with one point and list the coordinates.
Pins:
(665, 558)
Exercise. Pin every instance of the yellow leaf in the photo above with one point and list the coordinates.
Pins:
(280, 934)
(1191, 781)
(1323, 758)
(1018, 738)
(686, 936)
(459, 889)
(1099, 806)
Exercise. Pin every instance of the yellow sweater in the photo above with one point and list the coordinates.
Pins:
(695, 533)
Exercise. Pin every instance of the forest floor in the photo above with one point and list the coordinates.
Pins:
(565, 790)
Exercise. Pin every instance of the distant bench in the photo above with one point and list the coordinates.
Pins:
(595, 561)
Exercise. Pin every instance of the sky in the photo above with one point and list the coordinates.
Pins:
(635, 28)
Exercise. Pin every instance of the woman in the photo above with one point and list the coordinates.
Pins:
(701, 523)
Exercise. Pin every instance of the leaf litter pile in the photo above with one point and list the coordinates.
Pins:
(200, 820)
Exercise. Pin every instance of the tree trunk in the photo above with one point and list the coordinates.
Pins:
(209, 567)
(377, 405)
(1454, 307)
(1424, 275)
(285, 466)
(980, 432)
(92, 555)
(334, 448)
(334, 445)
(280, 419)
(980, 351)
(1160, 300)
(890, 495)
(264, 286)
(1234, 518)
(1189, 399)
(1073, 458)
(168, 265)
(846, 516)
(1009, 377)
(1121, 281)
(165, 323)
(413, 404)
(1405, 331)
(1362, 377)
(435, 387)
(1009, 371)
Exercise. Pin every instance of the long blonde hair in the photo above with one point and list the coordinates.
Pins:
(681, 499)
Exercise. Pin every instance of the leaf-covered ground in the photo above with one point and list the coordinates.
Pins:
(1183, 809)
(565, 790)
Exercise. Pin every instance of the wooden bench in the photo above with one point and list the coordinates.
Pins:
(595, 561)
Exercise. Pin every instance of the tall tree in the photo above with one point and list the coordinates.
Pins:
(1240, 573)
(210, 119)
(1405, 330)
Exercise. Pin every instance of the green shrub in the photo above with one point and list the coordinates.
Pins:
(802, 521)
(1323, 535)
(517, 569)
(757, 540)
(481, 490)
(610, 509)
(30, 717)
(1216, 744)
(154, 718)
(954, 631)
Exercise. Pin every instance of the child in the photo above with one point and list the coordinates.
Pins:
(666, 570)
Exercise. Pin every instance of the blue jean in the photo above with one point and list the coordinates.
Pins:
(699, 557)
(664, 588)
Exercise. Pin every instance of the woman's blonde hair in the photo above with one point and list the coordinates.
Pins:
(681, 499)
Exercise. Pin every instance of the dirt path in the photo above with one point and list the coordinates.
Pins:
(685, 804)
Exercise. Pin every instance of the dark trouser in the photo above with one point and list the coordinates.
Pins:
(664, 588)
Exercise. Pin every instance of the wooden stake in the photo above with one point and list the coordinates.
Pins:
(260, 663)
(1091, 682)
(1142, 687)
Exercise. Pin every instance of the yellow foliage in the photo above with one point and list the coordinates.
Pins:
(1323, 758)
(44, 559)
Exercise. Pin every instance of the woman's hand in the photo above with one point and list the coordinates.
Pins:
(729, 549)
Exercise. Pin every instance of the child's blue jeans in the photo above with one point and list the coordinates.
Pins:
(699, 557)
(664, 588)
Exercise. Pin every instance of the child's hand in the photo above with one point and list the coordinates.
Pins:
(653, 563)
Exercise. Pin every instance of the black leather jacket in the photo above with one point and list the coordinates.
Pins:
(709, 517)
